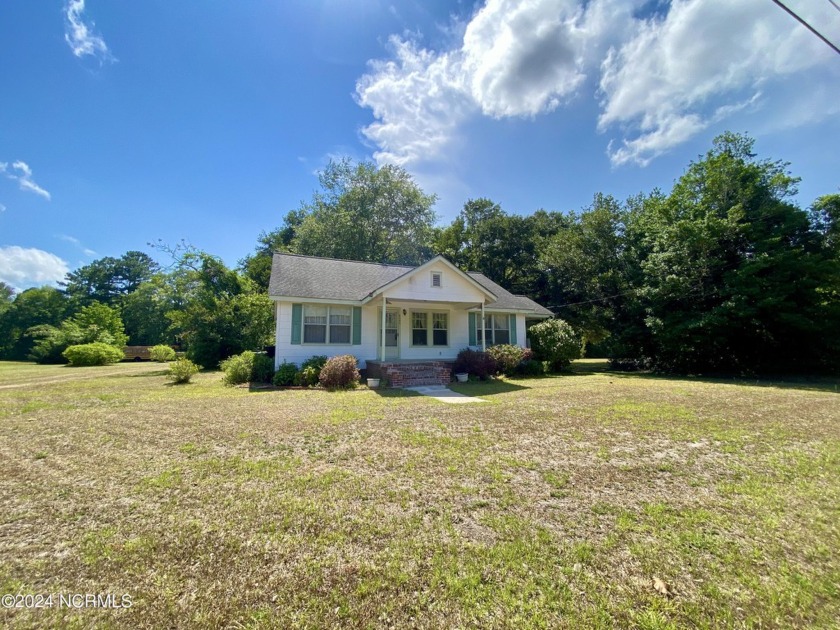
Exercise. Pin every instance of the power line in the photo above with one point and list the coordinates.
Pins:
(808, 26)
(835, 5)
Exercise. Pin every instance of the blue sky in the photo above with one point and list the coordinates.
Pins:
(122, 123)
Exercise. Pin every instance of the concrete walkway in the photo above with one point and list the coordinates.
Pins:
(444, 394)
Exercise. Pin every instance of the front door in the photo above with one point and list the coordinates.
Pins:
(392, 333)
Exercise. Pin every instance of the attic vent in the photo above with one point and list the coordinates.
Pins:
(436, 279)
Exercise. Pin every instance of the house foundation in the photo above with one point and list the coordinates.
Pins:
(408, 373)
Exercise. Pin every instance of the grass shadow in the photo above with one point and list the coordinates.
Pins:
(587, 366)
(388, 392)
(144, 374)
(486, 388)
(819, 384)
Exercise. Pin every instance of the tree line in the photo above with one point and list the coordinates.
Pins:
(198, 304)
(725, 273)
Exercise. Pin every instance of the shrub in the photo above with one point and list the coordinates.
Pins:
(317, 362)
(340, 372)
(51, 342)
(532, 368)
(182, 370)
(507, 357)
(286, 374)
(248, 367)
(555, 341)
(474, 362)
(161, 354)
(238, 368)
(308, 376)
(310, 370)
(96, 353)
(262, 369)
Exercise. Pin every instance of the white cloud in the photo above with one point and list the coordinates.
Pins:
(661, 79)
(27, 267)
(22, 174)
(521, 58)
(417, 100)
(701, 62)
(2, 208)
(81, 37)
(515, 58)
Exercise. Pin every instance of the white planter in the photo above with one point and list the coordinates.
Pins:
(462, 377)
(373, 383)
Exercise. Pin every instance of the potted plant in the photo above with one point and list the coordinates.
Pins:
(462, 377)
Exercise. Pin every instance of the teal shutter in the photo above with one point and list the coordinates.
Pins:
(512, 320)
(472, 328)
(297, 316)
(357, 325)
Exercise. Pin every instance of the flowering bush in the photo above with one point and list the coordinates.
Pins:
(507, 357)
(475, 363)
(340, 372)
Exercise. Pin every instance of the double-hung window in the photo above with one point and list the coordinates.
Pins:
(429, 329)
(327, 324)
(501, 329)
(496, 329)
(341, 319)
(440, 329)
(315, 324)
(419, 328)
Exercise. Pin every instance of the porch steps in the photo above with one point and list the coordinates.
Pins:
(414, 374)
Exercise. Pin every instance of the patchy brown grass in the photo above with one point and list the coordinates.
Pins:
(554, 505)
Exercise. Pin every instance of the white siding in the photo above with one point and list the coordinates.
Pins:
(458, 332)
(369, 348)
(454, 287)
(297, 353)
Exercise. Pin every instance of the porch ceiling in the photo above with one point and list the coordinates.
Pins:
(457, 304)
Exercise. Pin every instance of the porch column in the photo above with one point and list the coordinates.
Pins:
(483, 330)
(382, 340)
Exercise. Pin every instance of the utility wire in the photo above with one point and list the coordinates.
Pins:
(835, 5)
(808, 26)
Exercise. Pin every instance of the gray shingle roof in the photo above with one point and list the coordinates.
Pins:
(328, 278)
(508, 300)
(331, 279)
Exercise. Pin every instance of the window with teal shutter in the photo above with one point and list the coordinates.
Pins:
(473, 341)
(513, 330)
(297, 316)
(357, 325)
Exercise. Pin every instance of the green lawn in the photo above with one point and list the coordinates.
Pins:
(554, 505)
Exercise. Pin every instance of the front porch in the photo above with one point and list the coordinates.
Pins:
(411, 372)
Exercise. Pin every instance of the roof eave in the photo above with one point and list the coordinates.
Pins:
(438, 258)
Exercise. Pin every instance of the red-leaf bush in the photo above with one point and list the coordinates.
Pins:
(340, 372)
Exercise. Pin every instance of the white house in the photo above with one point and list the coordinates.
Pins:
(387, 315)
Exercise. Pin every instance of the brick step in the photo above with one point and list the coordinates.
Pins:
(419, 382)
(426, 374)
